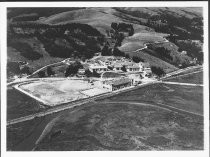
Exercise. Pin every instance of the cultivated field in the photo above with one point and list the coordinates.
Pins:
(123, 126)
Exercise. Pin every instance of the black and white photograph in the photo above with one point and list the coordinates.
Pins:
(105, 77)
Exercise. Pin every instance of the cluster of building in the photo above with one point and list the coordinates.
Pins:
(118, 64)
(132, 72)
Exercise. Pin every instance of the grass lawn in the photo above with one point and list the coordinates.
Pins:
(188, 98)
(104, 126)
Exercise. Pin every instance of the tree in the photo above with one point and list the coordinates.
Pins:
(157, 71)
(117, 52)
(88, 73)
(136, 59)
(123, 68)
(106, 51)
(49, 71)
(114, 25)
(72, 69)
(95, 74)
(127, 56)
(41, 74)
(26, 70)
(131, 32)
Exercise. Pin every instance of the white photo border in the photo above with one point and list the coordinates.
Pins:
(3, 50)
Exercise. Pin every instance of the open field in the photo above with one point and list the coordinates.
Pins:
(196, 78)
(188, 98)
(100, 18)
(19, 105)
(138, 40)
(57, 91)
(123, 126)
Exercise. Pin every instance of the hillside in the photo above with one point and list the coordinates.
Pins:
(47, 35)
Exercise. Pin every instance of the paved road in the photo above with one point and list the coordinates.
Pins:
(170, 77)
(183, 84)
(73, 104)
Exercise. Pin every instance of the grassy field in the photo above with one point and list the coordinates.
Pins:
(196, 78)
(100, 18)
(138, 40)
(124, 122)
(188, 98)
(19, 105)
(154, 61)
(122, 126)
(18, 132)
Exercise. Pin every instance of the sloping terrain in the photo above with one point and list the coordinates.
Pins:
(150, 25)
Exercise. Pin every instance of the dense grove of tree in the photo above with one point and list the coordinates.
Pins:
(157, 71)
(88, 73)
(117, 52)
(163, 53)
(26, 70)
(123, 27)
(26, 50)
(74, 34)
(73, 68)
(137, 59)
(106, 50)
(192, 49)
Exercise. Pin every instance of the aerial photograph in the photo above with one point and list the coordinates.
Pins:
(104, 78)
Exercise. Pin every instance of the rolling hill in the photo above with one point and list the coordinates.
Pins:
(150, 25)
